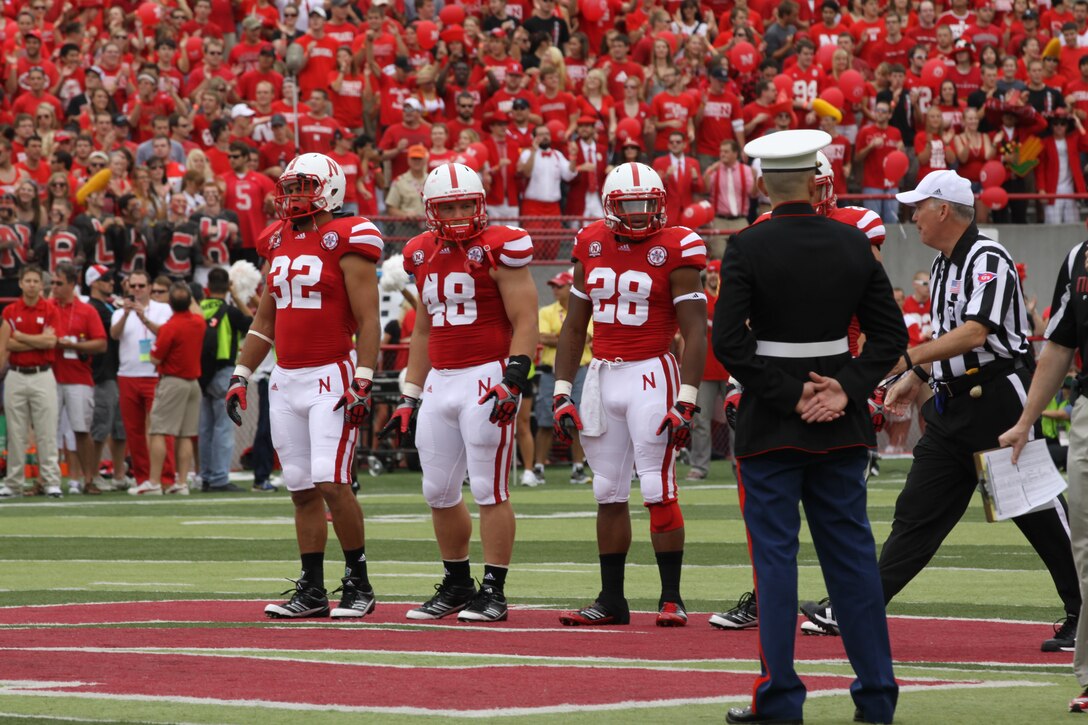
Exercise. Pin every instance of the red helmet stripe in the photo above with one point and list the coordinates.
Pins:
(453, 175)
(634, 174)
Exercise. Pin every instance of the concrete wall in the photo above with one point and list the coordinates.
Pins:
(1042, 248)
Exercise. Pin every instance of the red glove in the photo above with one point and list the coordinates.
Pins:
(236, 398)
(356, 402)
(876, 409)
(506, 395)
(732, 403)
(679, 421)
(566, 418)
(402, 421)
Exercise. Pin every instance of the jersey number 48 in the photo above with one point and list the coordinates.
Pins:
(624, 299)
(451, 301)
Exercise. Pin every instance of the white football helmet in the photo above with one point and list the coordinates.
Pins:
(634, 200)
(310, 183)
(453, 183)
(826, 201)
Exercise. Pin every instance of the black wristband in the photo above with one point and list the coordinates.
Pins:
(907, 360)
(517, 371)
(921, 373)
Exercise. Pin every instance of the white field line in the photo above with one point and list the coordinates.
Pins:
(69, 718)
(492, 713)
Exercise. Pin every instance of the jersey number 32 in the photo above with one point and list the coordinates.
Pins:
(624, 299)
(292, 282)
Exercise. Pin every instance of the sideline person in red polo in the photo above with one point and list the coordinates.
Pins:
(176, 410)
(135, 325)
(27, 339)
(80, 334)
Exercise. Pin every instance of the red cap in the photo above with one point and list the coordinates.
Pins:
(587, 120)
(498, 33)
(562, 279)
(714, 265)
(514, 69)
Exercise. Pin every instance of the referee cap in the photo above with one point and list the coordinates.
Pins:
(788, 150)
(945, 185)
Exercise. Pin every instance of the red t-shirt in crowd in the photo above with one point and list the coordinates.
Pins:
(245, 195)
(80, 321)
(179, 344)
(32, 320)
(889, 139)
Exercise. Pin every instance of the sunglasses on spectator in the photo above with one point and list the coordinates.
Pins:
(58, 183)
(290, 15)
(213, 52)
(95, 165)
(136, 286)
(158, 291)
(235, 156)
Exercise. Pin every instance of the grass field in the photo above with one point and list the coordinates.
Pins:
(170, 627)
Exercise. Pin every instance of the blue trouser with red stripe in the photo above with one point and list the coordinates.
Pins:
(831, 487)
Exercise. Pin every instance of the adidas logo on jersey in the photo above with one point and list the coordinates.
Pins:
(274, 387)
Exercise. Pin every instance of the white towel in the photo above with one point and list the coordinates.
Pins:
(590, 408)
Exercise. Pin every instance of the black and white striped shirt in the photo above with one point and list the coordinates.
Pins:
(979, 282)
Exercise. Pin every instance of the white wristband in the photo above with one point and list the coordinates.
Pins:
(364, 373)
(688, 394)
(266, 338)
(412, 390)
(242, 371)
(563, 387)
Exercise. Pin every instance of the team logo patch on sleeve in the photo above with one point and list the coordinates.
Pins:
(594, 249)
(330, 240)
(275, 241)
(417, 257)
(657, 256)
(984, 277)
(475, 254)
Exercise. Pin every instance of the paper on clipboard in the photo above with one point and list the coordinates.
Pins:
(1015, 490)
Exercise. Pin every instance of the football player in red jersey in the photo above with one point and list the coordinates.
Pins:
(746, 613)
(468, 363)
(321, 290)
(639, 281)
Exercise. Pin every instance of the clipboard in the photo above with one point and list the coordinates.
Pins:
(1007, 490)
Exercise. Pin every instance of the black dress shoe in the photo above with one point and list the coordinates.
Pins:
(858, 715)
(739, 715)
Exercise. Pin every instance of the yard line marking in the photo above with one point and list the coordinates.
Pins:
(141, 584)
(493, 713)
(69, 718)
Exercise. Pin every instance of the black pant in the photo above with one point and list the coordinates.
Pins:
(264, 455)
(943, 479)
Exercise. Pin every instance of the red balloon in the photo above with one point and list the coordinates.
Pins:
(628, 128)
(696, 215)
(823, 55)
(479, 150)
(149, 14)
(992, 174)
(427, 33)
(895, 166)
(784, 84)
(194, 48)
(593, 10)
(452, 14)
(558, 129)
(743, 57)
(853, 86)
(995, 197)
(834, 96)
(934, 72)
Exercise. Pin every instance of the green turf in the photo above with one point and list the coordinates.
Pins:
(115, 548)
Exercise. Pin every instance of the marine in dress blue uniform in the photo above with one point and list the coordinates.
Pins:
(803, 427)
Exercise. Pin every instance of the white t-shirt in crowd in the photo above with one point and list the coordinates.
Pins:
(136, 340)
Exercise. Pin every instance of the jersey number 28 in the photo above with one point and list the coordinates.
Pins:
(624, 299)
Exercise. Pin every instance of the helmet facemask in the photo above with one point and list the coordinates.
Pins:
(454, 224)
(635, 214)
(298, 196)
(826, 201)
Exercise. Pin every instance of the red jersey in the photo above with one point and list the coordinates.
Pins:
(867, 220)
(32, 320)
(245, 196)
(315, 134)
(839, 152)
(634, 317)
(667, 107)
(713, 368)
(80, 321)
(916, 316)
(560, 108)
(873, 170)
(307, 285)
(320, 61)
(178, 345)
(469, 325)
(721, 120)
(806, 84)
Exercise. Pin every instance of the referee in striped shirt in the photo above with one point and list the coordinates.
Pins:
(980, 363)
